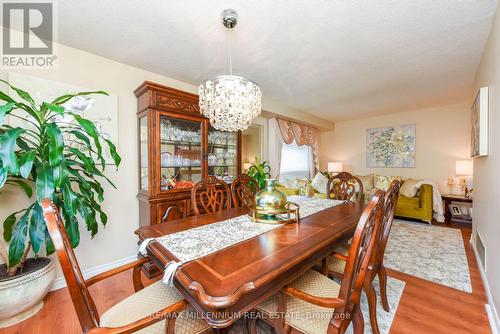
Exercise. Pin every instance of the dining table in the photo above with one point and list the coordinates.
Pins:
(224, 285)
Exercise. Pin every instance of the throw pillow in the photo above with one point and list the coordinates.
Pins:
(288, 183)
(305, 187)
(319, 183)
(367, 181)
(383, 182)
(409, 188)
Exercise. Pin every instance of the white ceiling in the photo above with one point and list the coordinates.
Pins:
(337, 59)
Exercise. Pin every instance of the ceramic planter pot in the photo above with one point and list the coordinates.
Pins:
(22, 296)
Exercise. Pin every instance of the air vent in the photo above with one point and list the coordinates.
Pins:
(481, 251)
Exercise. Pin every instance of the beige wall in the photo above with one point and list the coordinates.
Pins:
(486, 169)
(442, 137)
(117, 240)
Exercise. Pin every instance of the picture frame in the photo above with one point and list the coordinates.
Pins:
(455, 210)
(391, 146)
(479, 123)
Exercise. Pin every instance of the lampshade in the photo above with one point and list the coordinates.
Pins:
(464, 167)
(335, 167)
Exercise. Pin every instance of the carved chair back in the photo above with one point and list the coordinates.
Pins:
(391, 200)
(172, 212)
(343, 187)
(82, 300)
(243, 190)
(362, 247)
(211, 194)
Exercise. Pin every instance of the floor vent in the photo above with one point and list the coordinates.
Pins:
(481, 251)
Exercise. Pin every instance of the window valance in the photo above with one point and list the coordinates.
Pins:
(302, 135)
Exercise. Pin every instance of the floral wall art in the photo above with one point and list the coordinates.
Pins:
(392, 146)
(102, 110)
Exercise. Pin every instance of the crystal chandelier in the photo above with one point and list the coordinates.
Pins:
(230, 102)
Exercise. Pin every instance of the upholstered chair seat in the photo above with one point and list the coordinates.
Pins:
(301, 315)
(146, 302)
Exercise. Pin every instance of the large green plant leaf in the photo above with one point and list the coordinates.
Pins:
(23, 185)
(3, 176)
(4, 110)
(26, 163)
(65, 98)
(60, 174)
(22, 94)
(88, 214)
(91, 130)
(112, 149)
(44, 182)
(6, 98)
(53, 107)
(18, 242)
(70, 199)
(82, 137)
(49, 245)
(7, 149)
(56, 144)
(37, 228)
(8, 223)
(71, 225)
(89, 163)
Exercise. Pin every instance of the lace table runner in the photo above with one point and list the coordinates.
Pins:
(200, 241)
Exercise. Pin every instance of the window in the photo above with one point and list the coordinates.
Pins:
(295, 161)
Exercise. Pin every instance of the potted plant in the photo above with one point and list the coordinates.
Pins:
(56, 153)
(260, 171)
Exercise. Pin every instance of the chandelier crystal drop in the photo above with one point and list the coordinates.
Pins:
(230, 102)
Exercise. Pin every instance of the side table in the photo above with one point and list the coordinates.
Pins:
(448, 198)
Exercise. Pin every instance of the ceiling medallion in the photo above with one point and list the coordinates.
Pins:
(230, 102)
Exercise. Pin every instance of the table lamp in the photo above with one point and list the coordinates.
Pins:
(335, 167)
(465, 170)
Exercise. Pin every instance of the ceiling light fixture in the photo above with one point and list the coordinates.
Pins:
(230, 102)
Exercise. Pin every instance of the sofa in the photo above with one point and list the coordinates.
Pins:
(416, 207)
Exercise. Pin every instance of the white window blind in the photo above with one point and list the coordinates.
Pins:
(295, 161)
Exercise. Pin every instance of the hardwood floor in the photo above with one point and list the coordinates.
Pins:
(424, 308)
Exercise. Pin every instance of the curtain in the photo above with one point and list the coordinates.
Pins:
(275, 146)
(303, 135)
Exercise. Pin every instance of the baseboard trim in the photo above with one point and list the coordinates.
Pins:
(491, 311)
(60, 282)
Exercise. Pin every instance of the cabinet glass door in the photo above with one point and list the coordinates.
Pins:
(143, 151)
(222, 154)
(180, 153)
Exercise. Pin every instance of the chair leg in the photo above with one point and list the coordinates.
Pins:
(357, 321)
(136, 278)
(252, 328)
(372, 304)
(382, 280)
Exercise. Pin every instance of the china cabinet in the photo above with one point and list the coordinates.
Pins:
(177, 148)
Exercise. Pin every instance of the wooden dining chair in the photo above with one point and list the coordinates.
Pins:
(243, 190)
(343, 187)
(314, 303)
(336, 263)
(211, 194)
(153, 309)
(172, 212)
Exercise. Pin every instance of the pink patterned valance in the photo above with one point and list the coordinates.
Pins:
(302, 134)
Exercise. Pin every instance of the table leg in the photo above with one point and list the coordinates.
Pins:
(447, 212)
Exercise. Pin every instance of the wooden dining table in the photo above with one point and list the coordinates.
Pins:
(222, 286)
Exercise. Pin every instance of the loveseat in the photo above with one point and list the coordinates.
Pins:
(415, 207)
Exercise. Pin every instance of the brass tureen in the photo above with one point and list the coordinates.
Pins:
(272, 206)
